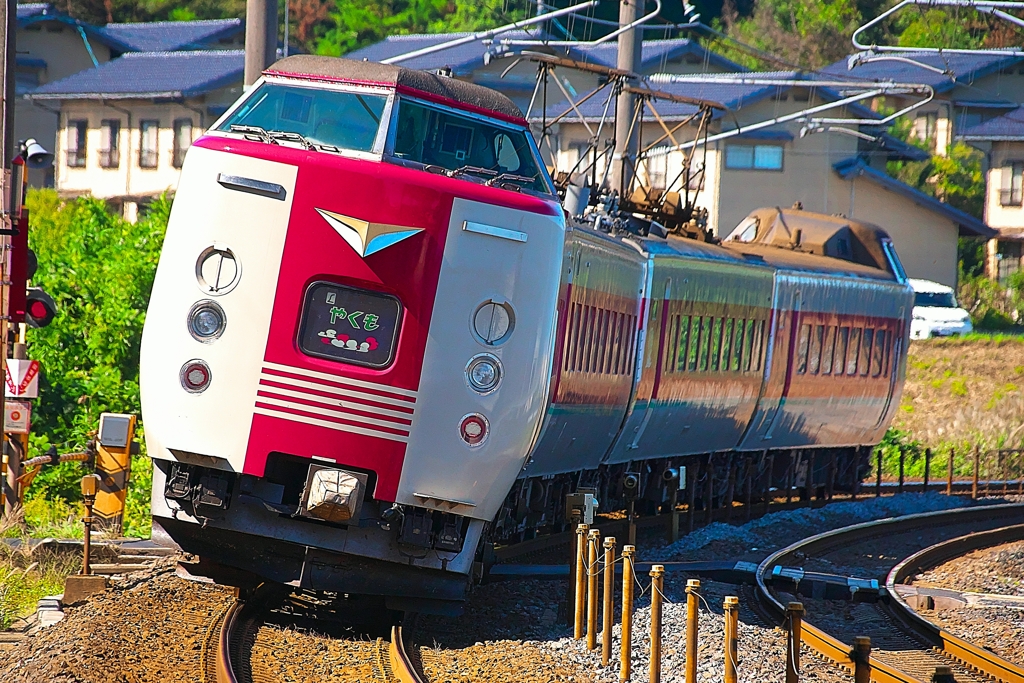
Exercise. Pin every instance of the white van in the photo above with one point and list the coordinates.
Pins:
(936, 312)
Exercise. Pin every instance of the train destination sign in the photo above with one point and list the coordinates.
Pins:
(349, 325)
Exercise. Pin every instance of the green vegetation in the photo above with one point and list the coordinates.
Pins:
(99, 268)
(26, 577)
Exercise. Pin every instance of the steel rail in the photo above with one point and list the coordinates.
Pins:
(818, 640)
(966, 652)
(225, 670)
(402, 665)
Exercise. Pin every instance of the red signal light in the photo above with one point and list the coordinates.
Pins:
(40, 308)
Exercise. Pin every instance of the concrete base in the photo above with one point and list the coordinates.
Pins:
(78, 587)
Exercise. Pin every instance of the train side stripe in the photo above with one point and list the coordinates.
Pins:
(313, 374)
(360, 409)
(368, 422)
(337, 426)
(372, 402)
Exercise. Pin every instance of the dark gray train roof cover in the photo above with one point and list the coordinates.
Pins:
(337, 68)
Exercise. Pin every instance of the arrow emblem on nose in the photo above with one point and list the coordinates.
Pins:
(365, 237)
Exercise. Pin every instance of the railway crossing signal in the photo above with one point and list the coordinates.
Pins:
(40, 308)
(114, 465)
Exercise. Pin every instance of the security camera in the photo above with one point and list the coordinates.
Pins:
(670, 474)
(630, 486)
(35, 155)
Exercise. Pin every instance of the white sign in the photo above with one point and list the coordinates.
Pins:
(22, 379)
(17, 417)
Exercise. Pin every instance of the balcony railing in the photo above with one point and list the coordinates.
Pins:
(110, 158)
(76, 158)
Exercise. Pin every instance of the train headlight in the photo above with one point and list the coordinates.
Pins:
(195, 376)
(206, 321)
(484, 373)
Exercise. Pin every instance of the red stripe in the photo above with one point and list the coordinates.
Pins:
(326, 394)
(329, 418)
(338, 383)
(314, 404)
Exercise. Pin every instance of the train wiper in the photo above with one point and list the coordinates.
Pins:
(287, 136)
(509, 177)
(476, 170)
(254, 133)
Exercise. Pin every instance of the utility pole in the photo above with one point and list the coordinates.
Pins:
(8, 24)
(630, 54)
(260, 37)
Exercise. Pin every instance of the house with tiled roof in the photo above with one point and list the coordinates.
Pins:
(969, 88)
(832, 170)
(1002, 140)
(126, 124)
(53, 46)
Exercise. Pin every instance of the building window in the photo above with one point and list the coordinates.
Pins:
(76, 143)
(925, 126)
(148, 143)
(1010, 193)
(182, 140)
(657, 171)
(754, 157)
(110, 153)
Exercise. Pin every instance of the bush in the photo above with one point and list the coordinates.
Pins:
(99, 268)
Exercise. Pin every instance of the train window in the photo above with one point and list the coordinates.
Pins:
(852, 351)
(865, 351)
(571, 336)
(584, 344)
(757, 345)
(705, 340)
(814, 356)
(682, 343)
(614, 342)
(878, 353)
(726, 344)
(630, 344)
(694, 349)
(435, 137)
(335, 119)
(828, 350)
(801, 348)
(738, 345)
(842, 345)
(602, 340)
(577, 336)
(349, 325)
(716, 343)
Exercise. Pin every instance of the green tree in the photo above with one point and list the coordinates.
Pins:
(99, 269)
(940, 28)
(811, 33)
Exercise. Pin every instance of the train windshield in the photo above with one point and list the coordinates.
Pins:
(467, 146)
(333, 120)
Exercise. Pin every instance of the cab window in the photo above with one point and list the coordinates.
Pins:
(466, 146)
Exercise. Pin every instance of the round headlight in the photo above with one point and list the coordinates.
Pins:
(206, 321)
(195, 376)
(484, 373)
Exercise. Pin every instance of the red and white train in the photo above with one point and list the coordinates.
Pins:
(374, 343)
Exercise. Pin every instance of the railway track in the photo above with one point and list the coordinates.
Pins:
(880, 555)
(232, 636)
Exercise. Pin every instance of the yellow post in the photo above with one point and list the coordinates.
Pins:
(732, 613)
(861, 659)
(794, 615)
(114, 465)
(628, 552)
(657, 595)
(594, 542)
(692, 596)
(609, 600)
(581, 565)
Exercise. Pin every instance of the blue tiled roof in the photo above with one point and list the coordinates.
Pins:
(34, 9)
(150, 74)
(855, 167)
(1008, 127)
(162, 36)
(657, 52)
(953, 68)
(462, 59)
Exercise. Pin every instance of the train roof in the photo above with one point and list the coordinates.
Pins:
(804, 238)
(451, 90)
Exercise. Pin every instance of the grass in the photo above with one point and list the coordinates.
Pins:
(964, 391)
(27, 576)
